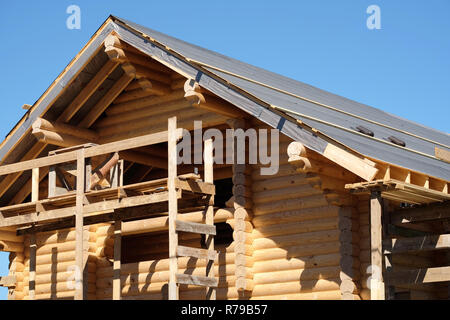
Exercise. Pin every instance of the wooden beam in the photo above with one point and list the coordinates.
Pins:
(376, 249)
(350, 162)
(426, 243)
(58, 127)
(106, 100)
(143, 158)
(221, 107)
(161, 223)
(103, 169)
(425, 213)
(208, 173)
(419, 276)
(8, 281)
(35, 185)
(110, 215)
(173, 208)
(23, 193)
(442, 154)
(117, 288)
(87, 91)
(116, 146)
(196, 186)
(193, 227)
(8, 181)
(183, 251)
(57, 139)
(196, 280)
(80, 282)
(93, 209)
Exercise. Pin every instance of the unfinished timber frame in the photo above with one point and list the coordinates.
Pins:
(87, 206)
(94, 203)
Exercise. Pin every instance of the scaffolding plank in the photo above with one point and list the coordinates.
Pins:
(196, 280)
(183, 251)
(426, 243)
(87, 209)
(419, 276)
(196, 186)
(194, 227)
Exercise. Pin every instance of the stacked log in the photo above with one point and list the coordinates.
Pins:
(55, 264)
(148, 279)
(241, 222)
(10, 242)
(296, 236)
(349, 251)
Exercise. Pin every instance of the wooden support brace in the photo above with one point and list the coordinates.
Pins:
(80, 250)
(8, 281)
(193, 227)
(196, 280)
(117, 260)
(376, 249)
(173, 208)
(208, 162)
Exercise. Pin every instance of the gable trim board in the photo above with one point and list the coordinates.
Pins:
(316, 137)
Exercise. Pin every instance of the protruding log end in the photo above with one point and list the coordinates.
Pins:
(193, 92)
(115, 54)
(129, 69)
(145, 84)
(112, 41)
(296, 149)
(302, 163)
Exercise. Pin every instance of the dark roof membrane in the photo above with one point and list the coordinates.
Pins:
(329, 113)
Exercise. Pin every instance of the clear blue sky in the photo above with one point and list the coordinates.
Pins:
(404, 68)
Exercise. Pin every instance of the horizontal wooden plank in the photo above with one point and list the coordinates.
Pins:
(196, 186)
(92, 208)
(138, 212)
(435, 242)
(116, 146)
(421, 214)
(183, 251)
(8, 281)
(196, 280)
(417, 276)
(194, 227)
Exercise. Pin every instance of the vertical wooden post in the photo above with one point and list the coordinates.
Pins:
(32, 276)
(376, 248)
(80, 292)
(120, 168)
(209, 214)
(387, 264)
(173, 208)
(87, 174)
(117, 259)
(52, 181)
(34, 198)
(35, 185)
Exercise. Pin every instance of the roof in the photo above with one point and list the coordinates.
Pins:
(253, 89)
(333, 115)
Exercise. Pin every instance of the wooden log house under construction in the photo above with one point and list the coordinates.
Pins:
(93, 204)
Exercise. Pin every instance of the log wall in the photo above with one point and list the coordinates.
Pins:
(55, 261)
(296, 235)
